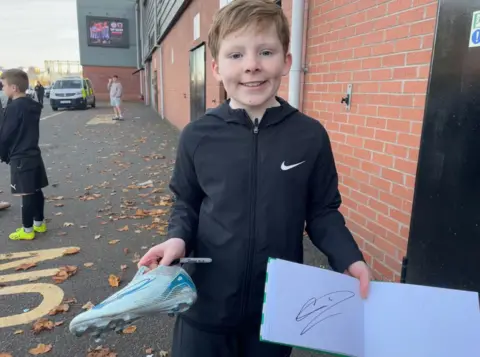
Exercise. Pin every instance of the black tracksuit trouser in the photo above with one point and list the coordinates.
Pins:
(189, 341)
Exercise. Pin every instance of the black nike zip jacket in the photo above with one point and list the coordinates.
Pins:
(20, 130)
(245, 191)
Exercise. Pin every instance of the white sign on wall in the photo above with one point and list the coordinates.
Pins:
(196, 27)
(475, 30)
(224, 2)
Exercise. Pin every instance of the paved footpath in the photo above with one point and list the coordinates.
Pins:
(107, 204)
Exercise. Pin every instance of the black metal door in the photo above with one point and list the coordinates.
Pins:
(197, 82)
(444, 243)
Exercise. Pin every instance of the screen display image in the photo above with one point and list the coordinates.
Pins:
(107, 32)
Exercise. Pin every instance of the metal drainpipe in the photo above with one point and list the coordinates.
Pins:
(137, 38)
(142, 54)
(294, 89)
(160, 49)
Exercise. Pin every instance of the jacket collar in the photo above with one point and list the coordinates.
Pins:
(272, 116)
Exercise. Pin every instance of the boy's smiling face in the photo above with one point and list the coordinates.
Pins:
(251, 63)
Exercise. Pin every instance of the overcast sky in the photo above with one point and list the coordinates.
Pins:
(32, 31)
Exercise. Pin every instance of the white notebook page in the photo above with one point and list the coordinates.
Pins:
(313, 308)
(420, 321)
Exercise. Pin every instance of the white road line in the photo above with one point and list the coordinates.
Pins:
(51, 116)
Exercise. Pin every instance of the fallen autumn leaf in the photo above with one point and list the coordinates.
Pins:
(130, 329)
(101, 352)
(136, 258)
(88, 306)
(114, 281)
(41, 325)
(71, 251)
(90, 197)
(25, 266)
(40, 349)
(59, 309)
(64, 273)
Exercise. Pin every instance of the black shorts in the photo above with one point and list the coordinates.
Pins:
(27, 175)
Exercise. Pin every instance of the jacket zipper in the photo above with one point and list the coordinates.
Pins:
(251, 236)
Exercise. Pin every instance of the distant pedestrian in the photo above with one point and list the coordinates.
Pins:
(116, 92)
(40, 91)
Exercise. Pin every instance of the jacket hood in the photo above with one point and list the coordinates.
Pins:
(31, 105)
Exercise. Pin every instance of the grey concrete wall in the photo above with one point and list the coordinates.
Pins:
(166, 14)
(157, 16)
(148, 26)
(110, 57)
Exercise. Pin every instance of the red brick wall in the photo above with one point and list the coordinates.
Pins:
(383, 48)
(100, 75)
(177, 74)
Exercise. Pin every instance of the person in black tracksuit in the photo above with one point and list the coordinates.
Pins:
(247, 182)
(19, 147)
(40, 90)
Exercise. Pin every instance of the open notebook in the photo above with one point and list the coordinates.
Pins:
(322, 310)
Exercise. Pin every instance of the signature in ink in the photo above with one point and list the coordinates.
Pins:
(316, 308)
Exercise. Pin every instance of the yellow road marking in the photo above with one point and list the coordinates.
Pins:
(52, 297)
(33, 256)
(52, 294)
(102, 119)
(31, 275)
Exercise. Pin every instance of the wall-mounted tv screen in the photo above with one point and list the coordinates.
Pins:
(107, 32)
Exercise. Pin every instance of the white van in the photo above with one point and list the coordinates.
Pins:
(72, 92)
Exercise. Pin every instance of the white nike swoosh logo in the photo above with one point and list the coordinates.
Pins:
(288, 167)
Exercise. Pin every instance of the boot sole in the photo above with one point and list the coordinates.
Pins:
(96, 327)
